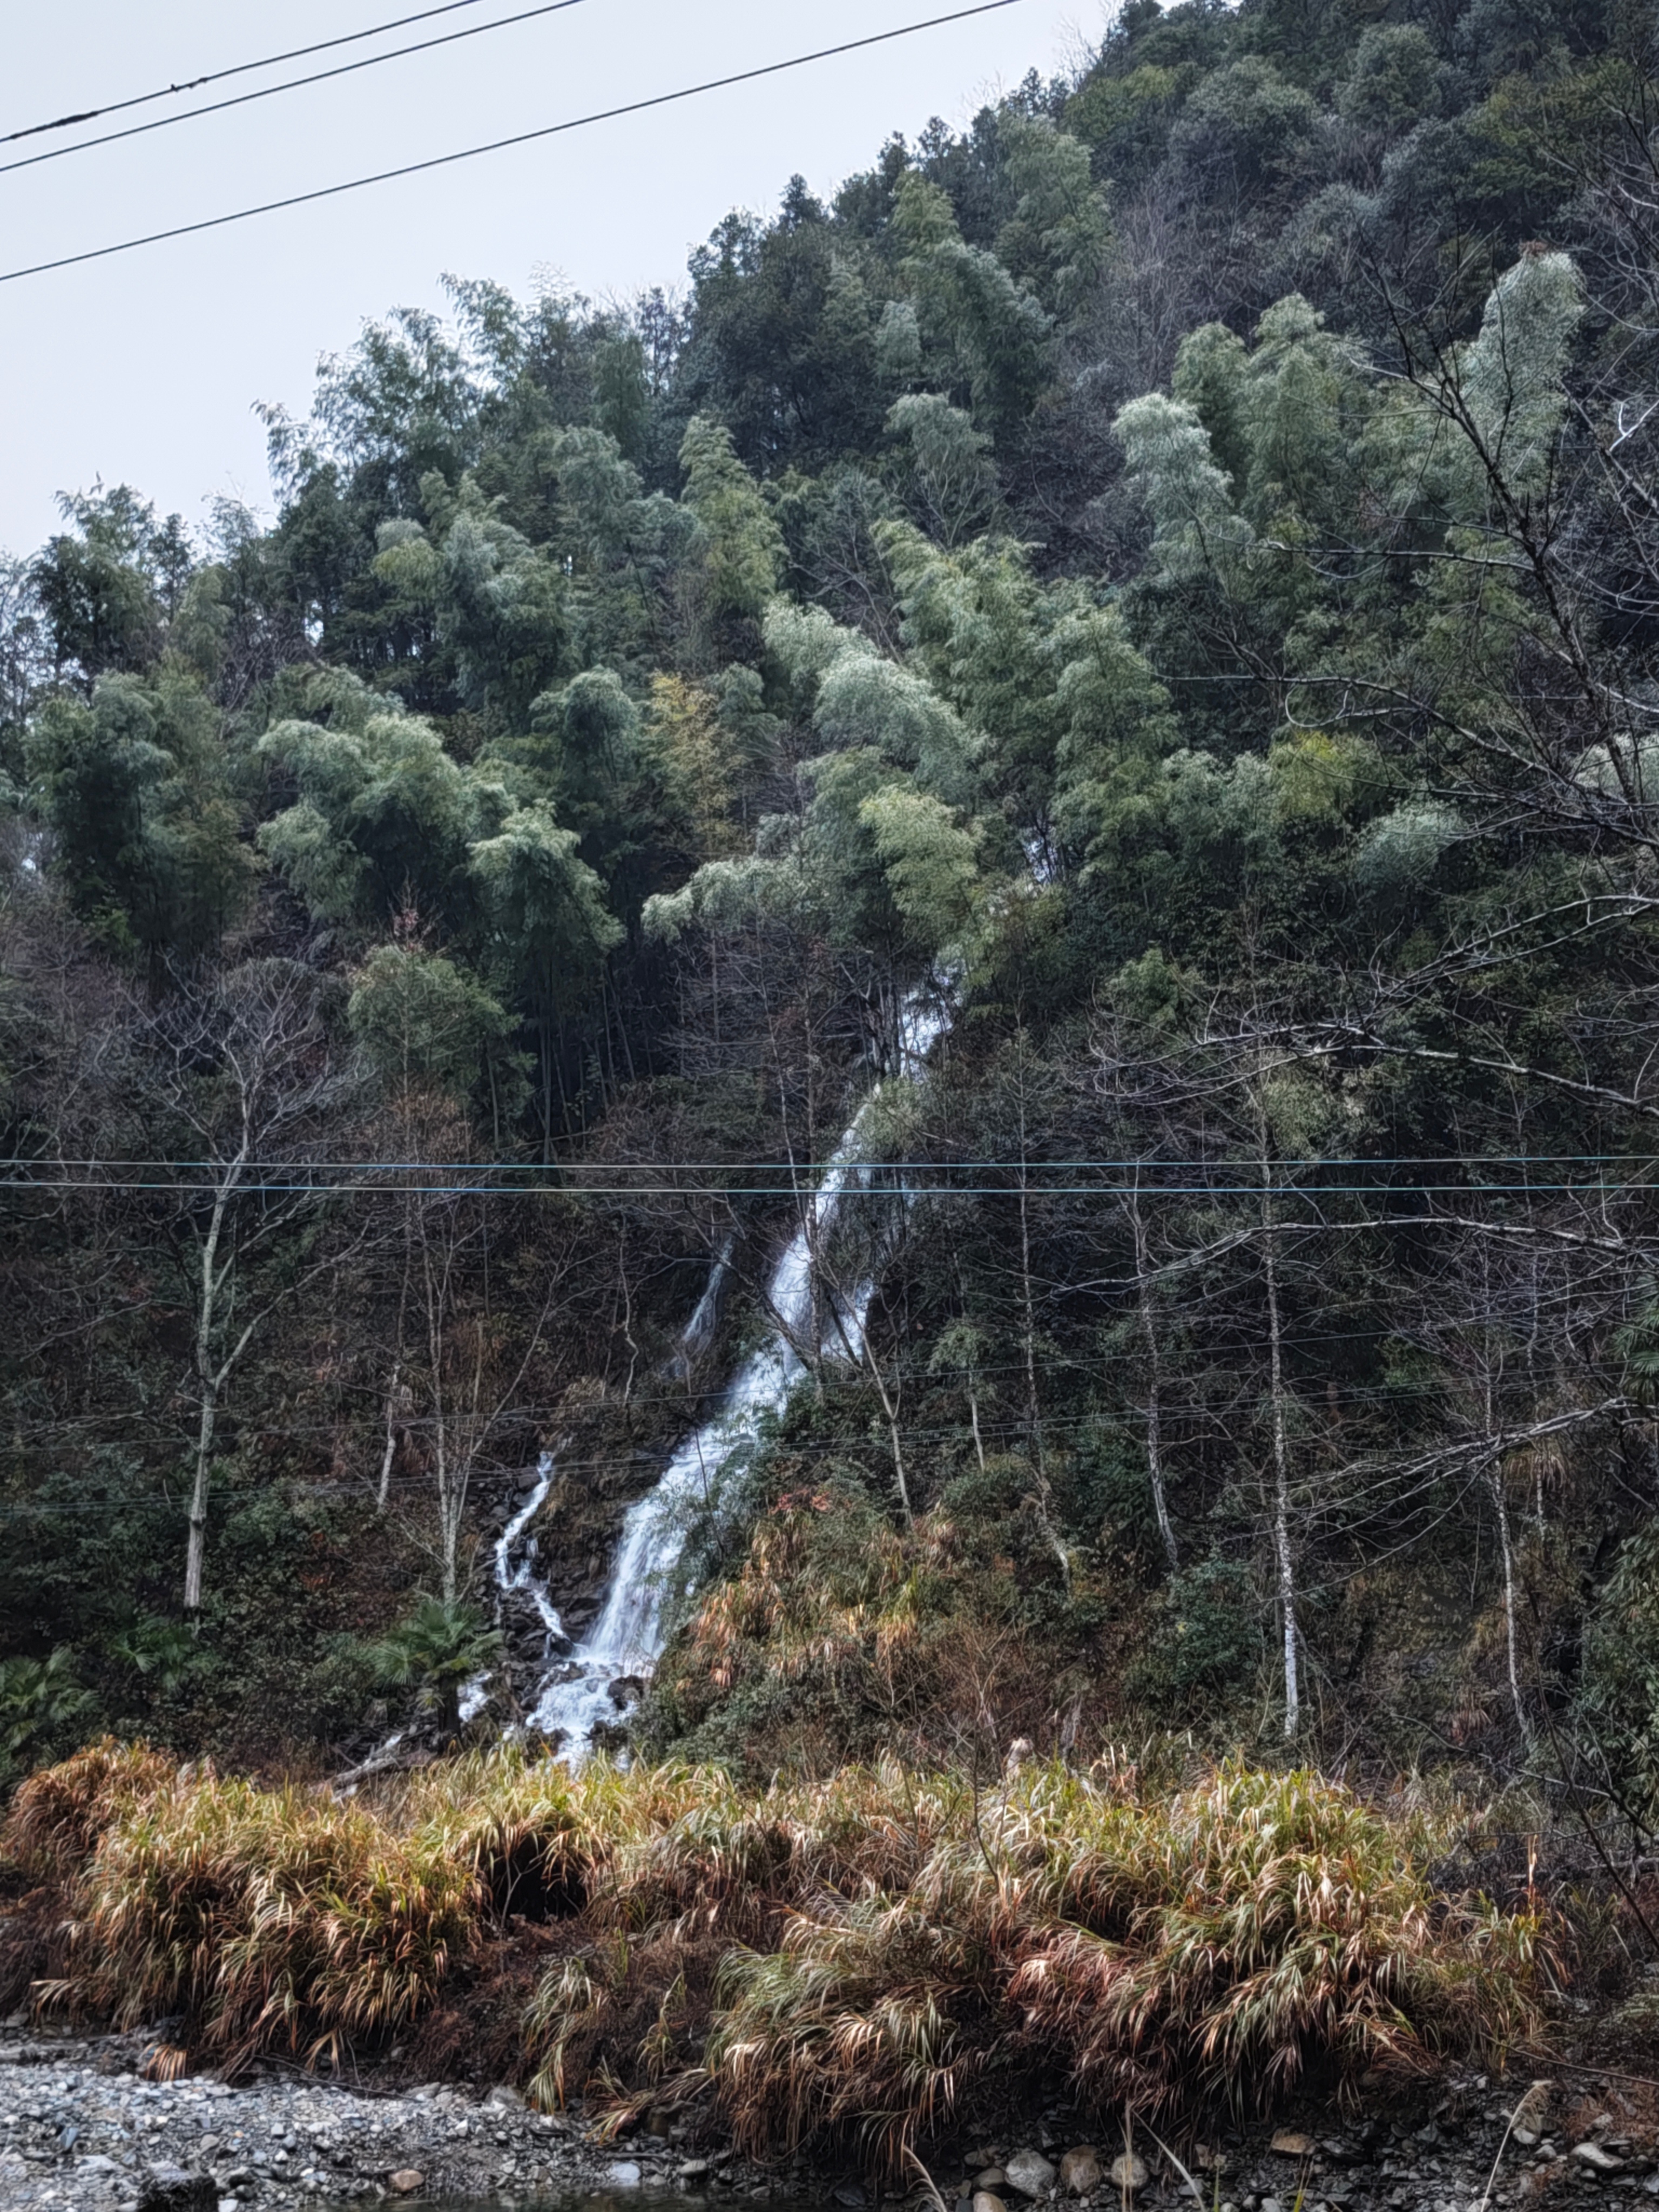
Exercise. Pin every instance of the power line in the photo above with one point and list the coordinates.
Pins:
(316, 1186)
(520, 138)
(37, 1438)
(241, 69)
(1013, 1426)
(986, 1163)
(1052, 1363)
(292, 84)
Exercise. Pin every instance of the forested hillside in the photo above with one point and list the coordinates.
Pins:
(1166, 583)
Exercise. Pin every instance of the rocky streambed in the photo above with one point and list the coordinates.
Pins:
(80, 2128)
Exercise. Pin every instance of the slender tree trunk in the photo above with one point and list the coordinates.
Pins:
(389, 1453)
(629, 1337)
(1501, 1508)
(972, 1417)
(972, 1368)
(1154, 1383)
(196, 1546)
(1028, 1307)
(1285, 1557)
(449, 1529)
(392, 1400)
(1028, 1315)
(209, 1378)
(889, 1406)
(1495, 1479)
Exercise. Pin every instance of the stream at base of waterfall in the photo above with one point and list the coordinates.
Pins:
(580, 1690)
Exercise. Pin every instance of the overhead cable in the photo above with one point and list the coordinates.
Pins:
(314, 1185)
(291, 85)
(500, 145)
(240, 68)
(985, 1162)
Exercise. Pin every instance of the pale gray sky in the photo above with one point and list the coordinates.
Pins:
(143, 368)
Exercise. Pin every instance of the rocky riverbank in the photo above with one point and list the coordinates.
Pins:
(81, 2130)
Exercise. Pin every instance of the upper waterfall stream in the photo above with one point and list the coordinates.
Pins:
(576, 1692)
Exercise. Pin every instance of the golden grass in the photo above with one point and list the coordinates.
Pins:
(60, 1813)
(854, 1958)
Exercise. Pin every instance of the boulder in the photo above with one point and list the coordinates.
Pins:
(623, 2173)
(1598, 2161)
(987, 2200)
(1079, 2171)
(994, 2177)
(405, 2183)
(1290, 2142)
(1128, 2171)
(505, 2095)
(170, 2189)
(1030, 2173)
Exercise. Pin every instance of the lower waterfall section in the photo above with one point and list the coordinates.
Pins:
(605, 1672)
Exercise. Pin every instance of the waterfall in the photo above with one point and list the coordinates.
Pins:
(623, 1647)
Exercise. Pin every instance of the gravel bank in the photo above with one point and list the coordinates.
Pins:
(1474, 2145)
(79, 2129)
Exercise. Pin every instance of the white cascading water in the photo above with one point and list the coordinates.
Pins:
(623, 1646)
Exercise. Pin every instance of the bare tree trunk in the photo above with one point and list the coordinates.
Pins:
(1284, 1558)
(1501, 1507)
(215, 1279)
(395, 1394)
(451, 1496)
(212, 1280)
(1154, 1373)
(384, 1490)
(196, 1545)
(1028, 1316)
(1495, 1479)
(1028, 1304)
(260, 1032)
(890, 1400)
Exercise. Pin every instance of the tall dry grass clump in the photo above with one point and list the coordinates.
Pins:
(59, 1814)
(55, 1822)
(1250, 1929)
(852, 1959)
(1214, 1946)
(267, 1919)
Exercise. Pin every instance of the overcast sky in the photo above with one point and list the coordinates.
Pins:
(144, 368)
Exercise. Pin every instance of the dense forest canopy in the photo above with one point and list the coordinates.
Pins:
(1170, 573)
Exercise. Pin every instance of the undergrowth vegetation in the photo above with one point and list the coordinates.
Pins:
(847, 1961)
